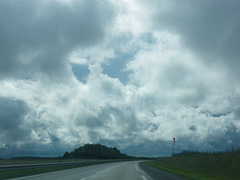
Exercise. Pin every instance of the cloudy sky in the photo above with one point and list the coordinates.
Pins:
(130, 73)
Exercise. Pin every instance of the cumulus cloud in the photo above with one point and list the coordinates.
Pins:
(76, 72)
(12, 115)
(37, 37)
(209, 28)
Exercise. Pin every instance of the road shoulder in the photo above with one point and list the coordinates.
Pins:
(156, 173)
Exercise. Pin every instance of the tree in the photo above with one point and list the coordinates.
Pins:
(94, 151)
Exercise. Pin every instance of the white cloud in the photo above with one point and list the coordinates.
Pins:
(171, 90)
(209, 28)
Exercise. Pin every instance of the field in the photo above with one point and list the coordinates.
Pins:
(201, 166)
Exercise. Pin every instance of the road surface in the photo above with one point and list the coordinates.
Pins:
(158, 174)
(128, 170)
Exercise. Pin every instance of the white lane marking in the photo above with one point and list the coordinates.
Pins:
(144, 178)
(83, 179)
(136, 167)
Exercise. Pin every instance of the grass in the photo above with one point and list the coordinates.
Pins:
(39, 170)
(18, 161)
(198, 166)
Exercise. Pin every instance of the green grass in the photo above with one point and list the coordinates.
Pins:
(39, 170)
(38, 160)
(197, 166)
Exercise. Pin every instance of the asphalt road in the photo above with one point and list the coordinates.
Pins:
(110, 171)
(158, 174)
(129, 170)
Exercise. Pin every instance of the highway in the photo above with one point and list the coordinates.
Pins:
(128, 170)
(110, 171)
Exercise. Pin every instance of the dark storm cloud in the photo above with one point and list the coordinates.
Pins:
(152, 149)
(93, 120)
(122, 118)
(53, 138)
(225, 141)
(193, 128)
(12, 114)
(34, 149)
(210, 28)
(36, 36)
(237, 113)
(157, 148)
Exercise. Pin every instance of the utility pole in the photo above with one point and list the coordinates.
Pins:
(173, 145)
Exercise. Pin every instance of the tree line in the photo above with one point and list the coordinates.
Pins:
(96, 151)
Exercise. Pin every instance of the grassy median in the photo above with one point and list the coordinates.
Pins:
(200, 166)
(33, 171)
(38, 170)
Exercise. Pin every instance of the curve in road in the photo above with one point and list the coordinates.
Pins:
(117, 171)
(128, 170)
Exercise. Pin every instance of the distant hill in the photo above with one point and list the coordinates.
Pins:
(96, 151)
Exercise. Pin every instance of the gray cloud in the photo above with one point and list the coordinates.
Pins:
(224, 141)
(210, 28)
(193, 128)
(34, 149)
(237, 113)
(115, 79)
(36, 36)
(12, 115)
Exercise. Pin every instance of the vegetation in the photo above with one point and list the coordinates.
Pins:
(88, 151)
(96, 151)
(39, 170)
(199, 166)
(35, 160)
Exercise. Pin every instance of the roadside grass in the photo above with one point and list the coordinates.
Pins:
(33, 171)
(38, 170)
(33, 160)
(199, 166)
(186, 174)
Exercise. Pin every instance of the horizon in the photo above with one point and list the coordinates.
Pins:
(213, 151)
(126, 74)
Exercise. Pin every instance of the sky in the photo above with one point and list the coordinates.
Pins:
(130, 74)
